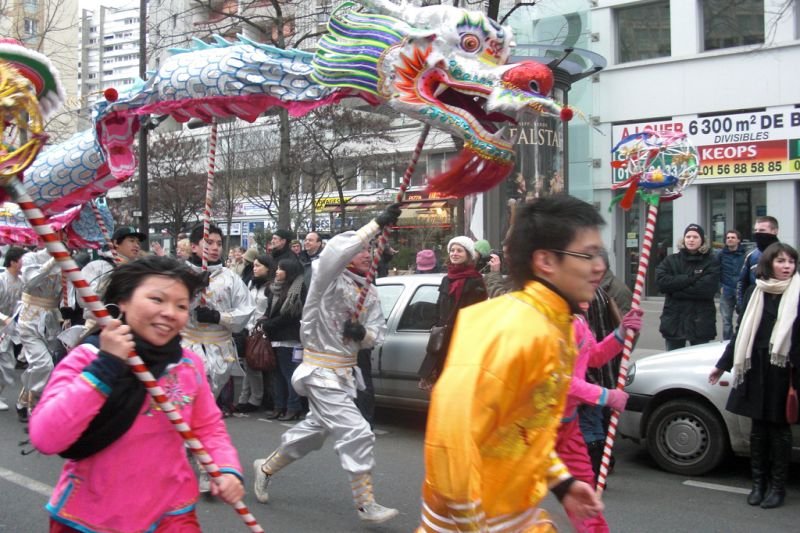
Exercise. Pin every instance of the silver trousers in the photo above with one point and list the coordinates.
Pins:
(332, 412)
(38, 346)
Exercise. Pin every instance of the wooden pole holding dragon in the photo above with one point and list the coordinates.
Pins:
(657, 168)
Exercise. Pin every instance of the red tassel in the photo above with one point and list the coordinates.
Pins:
(630, 195)
(468, 173)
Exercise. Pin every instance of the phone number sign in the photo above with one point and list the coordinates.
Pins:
(763, 143)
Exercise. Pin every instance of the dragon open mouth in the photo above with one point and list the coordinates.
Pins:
(475, 106)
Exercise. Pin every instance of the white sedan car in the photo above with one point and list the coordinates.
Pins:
(681, 417)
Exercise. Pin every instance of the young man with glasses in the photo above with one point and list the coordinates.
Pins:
(494, 413)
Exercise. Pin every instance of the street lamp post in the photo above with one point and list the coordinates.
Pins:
(144, 220)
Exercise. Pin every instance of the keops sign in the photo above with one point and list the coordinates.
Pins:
(758, 143)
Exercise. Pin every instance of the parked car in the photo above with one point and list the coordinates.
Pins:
(409, 305)
(680, 417)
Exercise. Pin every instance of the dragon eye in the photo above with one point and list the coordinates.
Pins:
(534, 85)
(470, 42)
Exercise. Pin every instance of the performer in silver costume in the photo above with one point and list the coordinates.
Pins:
(329, 375)
(10, 292)
(127, 245)
(38, 325)
(227, 310)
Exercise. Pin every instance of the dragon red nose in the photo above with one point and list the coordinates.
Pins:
(530, 76)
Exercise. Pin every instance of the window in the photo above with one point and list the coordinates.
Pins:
(422, 313)
(388, 295)
(729, 23)
(31, 27)
(643, 31)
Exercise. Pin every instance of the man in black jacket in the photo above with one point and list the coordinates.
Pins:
(690, 280)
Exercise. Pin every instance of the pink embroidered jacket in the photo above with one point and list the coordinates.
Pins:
(590, 354)
(144, 475)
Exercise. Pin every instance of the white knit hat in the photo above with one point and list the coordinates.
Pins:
(464, 241)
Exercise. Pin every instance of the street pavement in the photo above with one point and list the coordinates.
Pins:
(313, 494)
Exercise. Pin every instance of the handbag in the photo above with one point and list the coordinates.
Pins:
(258, 352)
(791, 399)
(437, 339)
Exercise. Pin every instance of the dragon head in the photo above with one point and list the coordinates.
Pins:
(446, 67)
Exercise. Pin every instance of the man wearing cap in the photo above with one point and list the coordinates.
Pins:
(281, 248)
(690, 280)
(127, 243)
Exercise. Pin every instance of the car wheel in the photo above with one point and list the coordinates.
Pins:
(686, 437)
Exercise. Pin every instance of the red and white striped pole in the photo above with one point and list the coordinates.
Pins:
(641, 274)
(384, 237)
(90, 300)
(212, 168)
(104, 230)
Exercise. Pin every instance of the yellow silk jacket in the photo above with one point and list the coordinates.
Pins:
(494, 413)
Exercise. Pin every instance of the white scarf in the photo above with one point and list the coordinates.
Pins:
(780, 339)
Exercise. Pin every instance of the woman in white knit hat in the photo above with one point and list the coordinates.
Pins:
(462, 286)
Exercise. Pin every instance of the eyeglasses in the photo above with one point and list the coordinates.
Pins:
(599, 255)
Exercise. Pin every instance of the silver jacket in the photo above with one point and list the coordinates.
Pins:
(332, 299)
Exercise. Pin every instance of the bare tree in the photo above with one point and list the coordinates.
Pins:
(177, 181)
(229, 181)
(342, 139)
(50, 28)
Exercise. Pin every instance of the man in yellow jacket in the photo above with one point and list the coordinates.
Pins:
(489, 445)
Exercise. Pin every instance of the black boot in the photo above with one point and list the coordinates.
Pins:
(781, 447)
(758, 463)
(595, 449)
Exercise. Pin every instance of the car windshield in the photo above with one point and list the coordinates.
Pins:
(388, 294)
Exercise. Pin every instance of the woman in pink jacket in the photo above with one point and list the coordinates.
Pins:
(570, 446)
(126, 468)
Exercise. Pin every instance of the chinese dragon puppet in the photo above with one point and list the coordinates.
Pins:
(444, 66)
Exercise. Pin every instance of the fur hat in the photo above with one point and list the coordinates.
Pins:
(465, 242)
(285, 234)
(696, 228)
(250, 255)
(426, 260)
(483, 247)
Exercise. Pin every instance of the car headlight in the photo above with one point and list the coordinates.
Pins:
(631, 374)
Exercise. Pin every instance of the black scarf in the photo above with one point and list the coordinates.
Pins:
(197, 261)
(123, 404)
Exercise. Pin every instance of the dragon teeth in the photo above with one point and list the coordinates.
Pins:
(439, 90)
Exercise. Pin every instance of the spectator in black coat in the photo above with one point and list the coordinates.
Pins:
(689, 279)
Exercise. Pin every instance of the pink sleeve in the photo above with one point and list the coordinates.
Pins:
(68, 404)
(605, 350)
(207, 424)
(581, 391)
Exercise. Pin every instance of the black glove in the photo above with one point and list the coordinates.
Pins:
(66, 312)
(207, 315)
(354, 330)
(389, 216)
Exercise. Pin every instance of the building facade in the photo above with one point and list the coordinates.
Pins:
(49, 28)
(724, 73)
